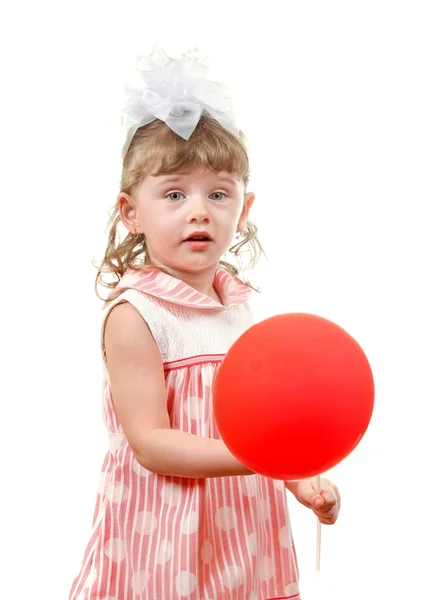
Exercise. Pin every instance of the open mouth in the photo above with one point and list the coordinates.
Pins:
(198, 238)
(198, 241)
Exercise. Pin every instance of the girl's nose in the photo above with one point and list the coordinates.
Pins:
(198, 211)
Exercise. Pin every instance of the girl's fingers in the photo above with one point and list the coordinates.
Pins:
(325, 502)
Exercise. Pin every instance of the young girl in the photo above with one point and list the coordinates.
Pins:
(177, 516)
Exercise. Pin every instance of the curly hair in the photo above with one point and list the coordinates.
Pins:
(156, 150)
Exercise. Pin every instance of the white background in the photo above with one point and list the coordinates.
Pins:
(342, 105)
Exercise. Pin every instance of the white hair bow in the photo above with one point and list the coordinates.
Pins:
(176, 91)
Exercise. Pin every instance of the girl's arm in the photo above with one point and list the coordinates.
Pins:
(139, 393)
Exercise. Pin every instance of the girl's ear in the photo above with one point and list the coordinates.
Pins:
(249, 201)
(127, 211)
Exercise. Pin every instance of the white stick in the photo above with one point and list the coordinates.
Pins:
(318, 529)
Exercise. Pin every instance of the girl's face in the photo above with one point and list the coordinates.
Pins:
(188, 219)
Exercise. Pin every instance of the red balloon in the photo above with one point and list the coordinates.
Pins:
(293, 396)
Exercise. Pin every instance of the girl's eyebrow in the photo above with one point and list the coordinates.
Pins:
(174, 178)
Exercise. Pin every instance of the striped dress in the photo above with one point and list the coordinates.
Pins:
(156, 537)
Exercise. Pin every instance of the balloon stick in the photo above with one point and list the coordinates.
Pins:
(318, 530)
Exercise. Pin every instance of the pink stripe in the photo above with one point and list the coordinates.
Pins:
(193, 361)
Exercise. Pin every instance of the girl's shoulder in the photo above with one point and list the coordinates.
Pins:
(183, 321)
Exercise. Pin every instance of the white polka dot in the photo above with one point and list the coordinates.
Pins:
(291, 589)
(225, 518)
(206, 552)
(118, 492)
(115, 549)
(145, 522)
(248, 487)
(91, 577)
(190, 523)
(263, 511)
(139, 581)
(252, 544)
(195, 408)
(233, 577)
(265, 568)
(137, 468)
(185, 583)
(171, 493)
(285, 537)
(164, 552)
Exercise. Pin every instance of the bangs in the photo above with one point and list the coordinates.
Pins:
(157, 150)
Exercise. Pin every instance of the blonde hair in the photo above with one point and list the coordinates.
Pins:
(155, 149)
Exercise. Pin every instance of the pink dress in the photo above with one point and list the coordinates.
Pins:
(156, 537)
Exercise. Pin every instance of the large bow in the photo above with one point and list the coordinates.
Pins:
(178, 92)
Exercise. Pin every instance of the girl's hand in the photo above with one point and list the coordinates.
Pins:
(325, 505)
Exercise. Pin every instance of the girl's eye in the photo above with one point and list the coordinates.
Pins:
(174, 194)
(219, 193)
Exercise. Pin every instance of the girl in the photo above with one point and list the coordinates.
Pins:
(177, 516)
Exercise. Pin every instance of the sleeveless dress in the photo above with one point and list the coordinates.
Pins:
(156, 537)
